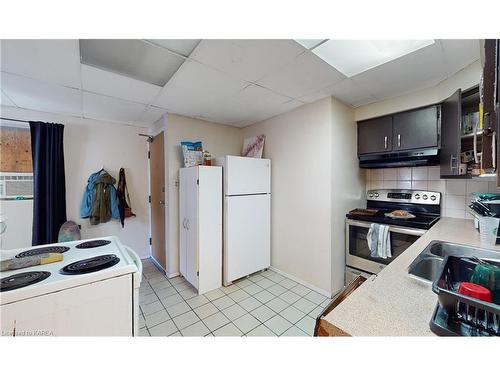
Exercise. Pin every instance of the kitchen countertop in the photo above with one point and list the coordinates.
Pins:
(394, 303)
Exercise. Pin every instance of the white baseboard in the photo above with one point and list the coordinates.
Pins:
(169, 275)
(158, 264)
(305, 283)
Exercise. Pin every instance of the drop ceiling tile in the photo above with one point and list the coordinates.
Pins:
(303, 76)
(250, 103)
(459, 53)
(196, 88)
(317, 95)
(364, 102)
(6, 101)
(309, 43)
(131, 57)
(116, 85)
(41, 96)
(54, 61)
(183, 47)
(264, 115)
(150, 116)
(249, 60)
(111, 109)
(418, 70)
(347, 91)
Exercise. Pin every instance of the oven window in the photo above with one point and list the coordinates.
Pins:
(358, 246)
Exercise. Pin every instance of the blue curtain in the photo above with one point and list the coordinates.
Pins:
(49, 188)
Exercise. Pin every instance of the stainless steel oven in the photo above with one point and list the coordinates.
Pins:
(357, 252)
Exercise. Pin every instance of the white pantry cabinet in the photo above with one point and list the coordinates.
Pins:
(200, 226)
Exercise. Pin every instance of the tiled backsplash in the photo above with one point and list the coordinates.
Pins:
(455, 193)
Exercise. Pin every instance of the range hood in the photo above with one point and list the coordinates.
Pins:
(410, 158)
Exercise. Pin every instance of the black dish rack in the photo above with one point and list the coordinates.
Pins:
(459, 315)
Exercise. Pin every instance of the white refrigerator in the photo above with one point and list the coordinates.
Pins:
(247, 216)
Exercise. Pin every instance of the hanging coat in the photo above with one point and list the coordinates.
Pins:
(123, 197)
(99, 201)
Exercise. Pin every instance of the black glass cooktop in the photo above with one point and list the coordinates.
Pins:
(89, 265)
(420, 221)
(22, 279)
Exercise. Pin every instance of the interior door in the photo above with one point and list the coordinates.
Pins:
(451, 114)
(248, 235)
(415, 129)
(157, 186)
(375, 135)
(191, 191)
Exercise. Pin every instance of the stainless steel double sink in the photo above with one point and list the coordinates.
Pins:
(426, 265)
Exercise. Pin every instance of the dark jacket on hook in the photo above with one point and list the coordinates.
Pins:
(99, 199)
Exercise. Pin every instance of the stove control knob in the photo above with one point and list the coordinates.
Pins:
(417, 196)
(433, 197)
(376, 195)
(424, 197)
(370, 195)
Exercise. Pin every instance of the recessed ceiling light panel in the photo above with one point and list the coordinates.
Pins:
(352, 57)
(131, 57)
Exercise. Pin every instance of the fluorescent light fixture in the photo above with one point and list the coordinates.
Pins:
(351, 57)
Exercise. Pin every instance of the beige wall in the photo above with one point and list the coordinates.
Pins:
(348, 184)
(464, 79)
(88, 144)
(218, 139)
(299, 143)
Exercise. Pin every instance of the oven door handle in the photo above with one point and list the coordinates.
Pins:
(409, 231)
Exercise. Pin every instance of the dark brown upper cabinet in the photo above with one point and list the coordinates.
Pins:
(451, 114)
(415, 129)
(459, 144)
(375, 135)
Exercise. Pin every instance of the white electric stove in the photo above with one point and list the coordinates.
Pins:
(94, 291)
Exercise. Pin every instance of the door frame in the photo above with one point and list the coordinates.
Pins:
(157, 130)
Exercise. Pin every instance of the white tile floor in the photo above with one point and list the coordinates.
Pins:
(264, 304)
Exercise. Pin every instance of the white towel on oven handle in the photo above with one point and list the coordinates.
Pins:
(384, 242)
(379, 241)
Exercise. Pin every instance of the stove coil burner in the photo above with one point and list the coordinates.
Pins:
(21, 280)
(89, 265)
(43, 250)
(93, 243)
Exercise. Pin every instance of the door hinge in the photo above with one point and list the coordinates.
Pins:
(197, 181)
(197, 273)
(149, 154)
(149, 199)
(150, 241)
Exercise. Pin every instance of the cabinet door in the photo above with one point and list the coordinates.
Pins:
(191, 188)
(415, 129)
(182, 222)
(375, 135)
(451, 113)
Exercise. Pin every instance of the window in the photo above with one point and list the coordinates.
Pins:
(16, 167)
